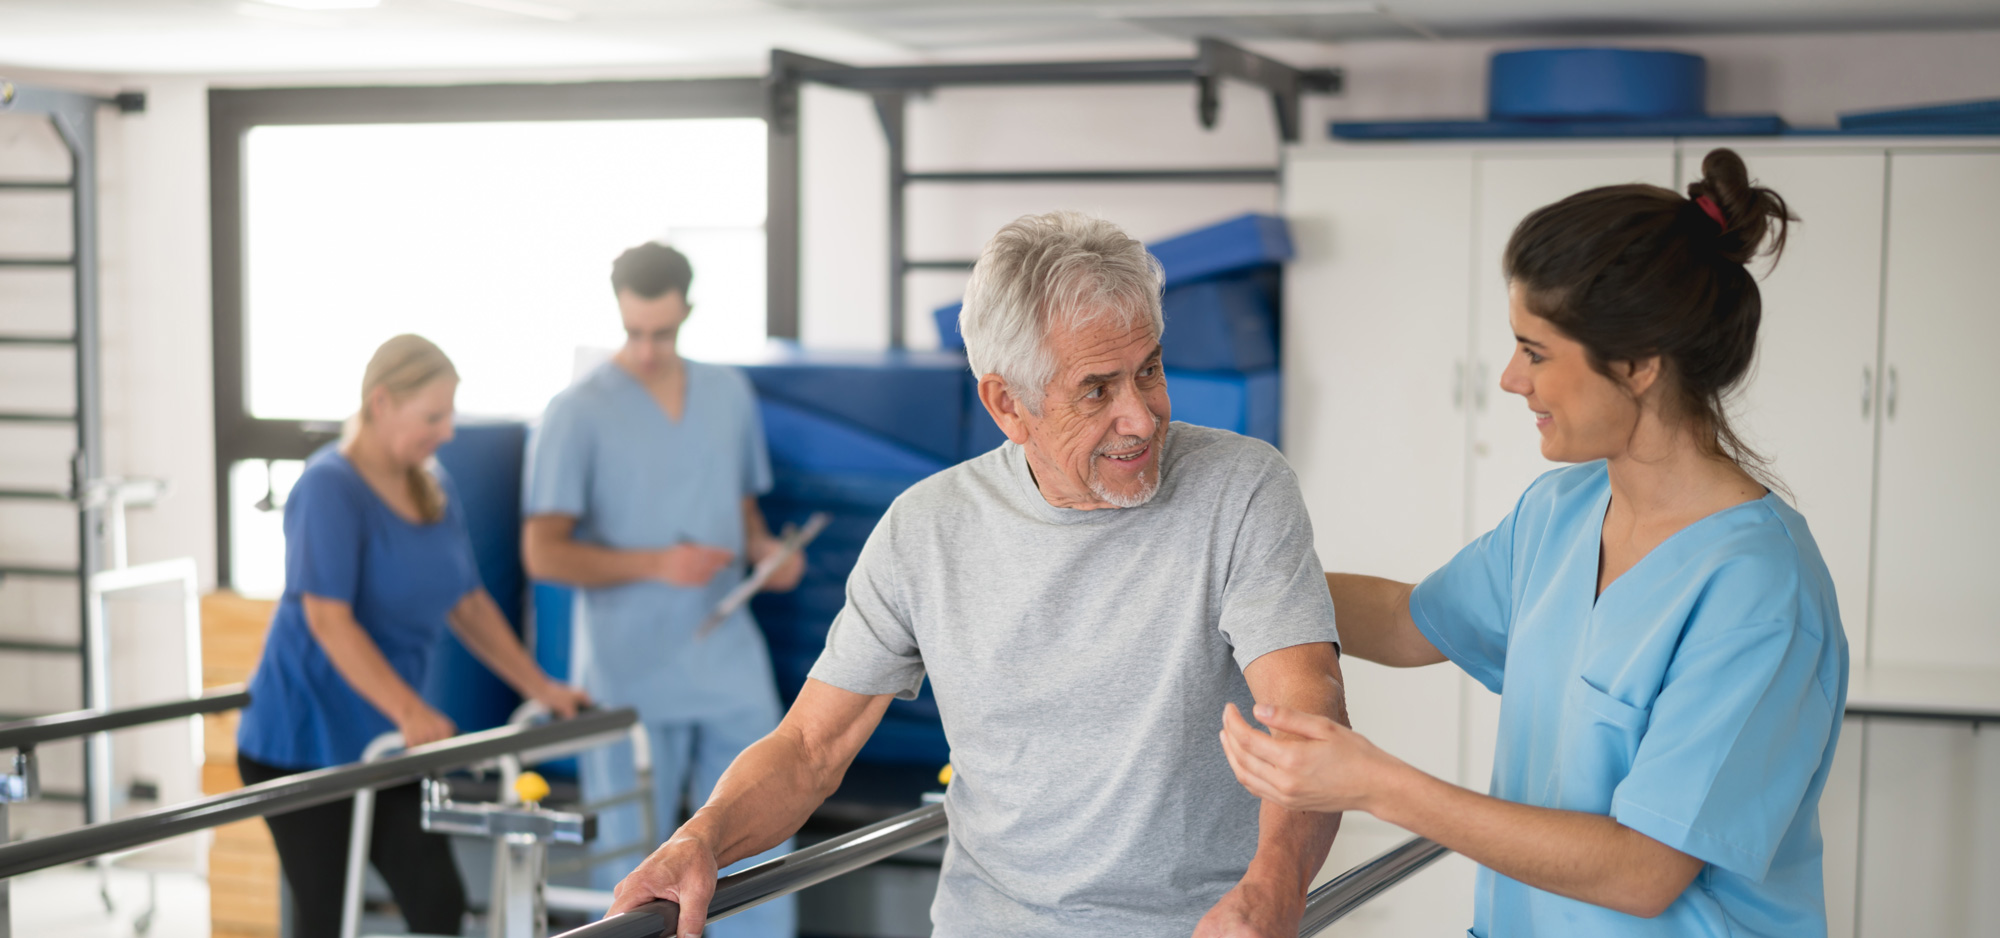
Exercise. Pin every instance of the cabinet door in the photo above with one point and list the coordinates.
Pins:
(1930, 826)
(1506, 450)
(1375, 319)
(1809, 404)
(1938, 508)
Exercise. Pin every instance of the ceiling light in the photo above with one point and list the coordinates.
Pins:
(325, 4)
(540, 11)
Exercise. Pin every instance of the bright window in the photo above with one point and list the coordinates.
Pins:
(494, 240)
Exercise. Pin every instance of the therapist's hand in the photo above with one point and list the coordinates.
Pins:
(420, 724)
(690, 564)
(1330, 768)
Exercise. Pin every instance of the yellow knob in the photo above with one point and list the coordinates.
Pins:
(531, 787)
(944, 774)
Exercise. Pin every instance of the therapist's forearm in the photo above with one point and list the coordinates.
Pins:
(480, 626)
(359, 661)
(1588, 857)
(556, 556)
(1375, 623)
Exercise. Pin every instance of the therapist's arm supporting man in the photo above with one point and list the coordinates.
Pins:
(764, 797)
(1291, 844)
(1324, 766)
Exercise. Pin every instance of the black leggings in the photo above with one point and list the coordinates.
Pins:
(312, 850)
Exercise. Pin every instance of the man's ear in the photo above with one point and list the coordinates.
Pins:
(1006, 409)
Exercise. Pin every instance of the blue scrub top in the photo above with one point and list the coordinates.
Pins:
(1697, 701)
(343, 542)
(636, 479)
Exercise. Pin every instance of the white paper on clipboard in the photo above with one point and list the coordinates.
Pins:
(791, 542)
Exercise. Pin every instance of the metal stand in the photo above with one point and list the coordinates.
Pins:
(521, 837)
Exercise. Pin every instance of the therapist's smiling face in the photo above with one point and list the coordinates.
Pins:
(1581, 414)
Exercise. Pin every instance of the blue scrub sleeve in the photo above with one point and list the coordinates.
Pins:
(1466, 607)
(558, 468)
(1738, 730)
(324, 536)
(756, 452)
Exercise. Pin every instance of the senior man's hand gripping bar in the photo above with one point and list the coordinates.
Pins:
(791, 541)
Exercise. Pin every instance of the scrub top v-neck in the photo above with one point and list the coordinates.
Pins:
(635, 478)
(1696, 700)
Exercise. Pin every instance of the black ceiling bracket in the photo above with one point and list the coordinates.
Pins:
(1216, 60)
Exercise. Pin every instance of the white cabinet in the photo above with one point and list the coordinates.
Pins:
(1936, 596)
(1809, 406)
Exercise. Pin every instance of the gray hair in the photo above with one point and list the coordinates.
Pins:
(1044, 273)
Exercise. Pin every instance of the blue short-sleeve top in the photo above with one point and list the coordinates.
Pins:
(401, 578)
(1696, 701)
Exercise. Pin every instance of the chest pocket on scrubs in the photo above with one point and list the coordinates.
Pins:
(1600, 739)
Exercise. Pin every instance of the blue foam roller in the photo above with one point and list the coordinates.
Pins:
(1241, 403)
(908, 397)
(483, 461)
(1229, 323)
(1596, 84)
(1245, 241)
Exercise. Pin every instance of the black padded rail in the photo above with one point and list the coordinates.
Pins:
(33, 731)
(303, 790)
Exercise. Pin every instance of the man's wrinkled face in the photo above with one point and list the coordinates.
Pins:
(1096, 443)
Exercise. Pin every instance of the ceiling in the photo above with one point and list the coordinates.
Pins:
(223, 37)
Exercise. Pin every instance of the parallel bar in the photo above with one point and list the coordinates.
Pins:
(26, 733)
(18, 417)
(1350, 890)
(14, 185)
(1247, 174)
(30, 646)
(938, 265)
(56, 340)
(297, 791)
(782, 876)
(37, 262)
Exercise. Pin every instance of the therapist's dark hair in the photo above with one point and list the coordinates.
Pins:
(1635, 271)
(651, 270)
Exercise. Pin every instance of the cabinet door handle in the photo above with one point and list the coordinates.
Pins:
(1889, 398)
(1867, 391)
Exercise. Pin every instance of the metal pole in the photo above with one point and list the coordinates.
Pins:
(890, 108)
(361, 825)
(520, 867)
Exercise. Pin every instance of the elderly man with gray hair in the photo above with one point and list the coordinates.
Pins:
(1086, 599)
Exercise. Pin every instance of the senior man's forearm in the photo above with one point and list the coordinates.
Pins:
(1292, 845)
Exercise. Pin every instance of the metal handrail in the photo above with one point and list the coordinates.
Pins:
(303, 790)
(823, 861)
(1352, 889)
(26, 734)
(781, 877)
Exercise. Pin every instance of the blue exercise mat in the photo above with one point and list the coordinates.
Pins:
(906, 397)
(1229, 323)
(483, 460)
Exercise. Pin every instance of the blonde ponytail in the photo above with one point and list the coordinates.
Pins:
(403, 366)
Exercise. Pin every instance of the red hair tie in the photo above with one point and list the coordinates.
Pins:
(1709, 207)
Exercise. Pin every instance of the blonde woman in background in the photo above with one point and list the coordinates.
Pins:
(377, 564)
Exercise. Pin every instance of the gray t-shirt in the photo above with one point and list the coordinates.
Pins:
(1081, 660)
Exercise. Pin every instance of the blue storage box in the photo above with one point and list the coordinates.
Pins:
(484, 462)
(1595, 85)
(1244, 241)
(1229, 323)
(814, 443)
(906, 397)
(1243, 403)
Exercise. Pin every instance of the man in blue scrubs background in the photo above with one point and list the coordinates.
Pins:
(642, 490)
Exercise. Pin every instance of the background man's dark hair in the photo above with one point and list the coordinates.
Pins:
(651, 270)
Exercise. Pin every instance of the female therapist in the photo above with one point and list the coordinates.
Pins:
(377, 563)
(1660, 627)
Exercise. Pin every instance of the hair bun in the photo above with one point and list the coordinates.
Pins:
(1752, 214)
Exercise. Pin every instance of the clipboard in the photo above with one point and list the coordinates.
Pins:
(791, 541)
